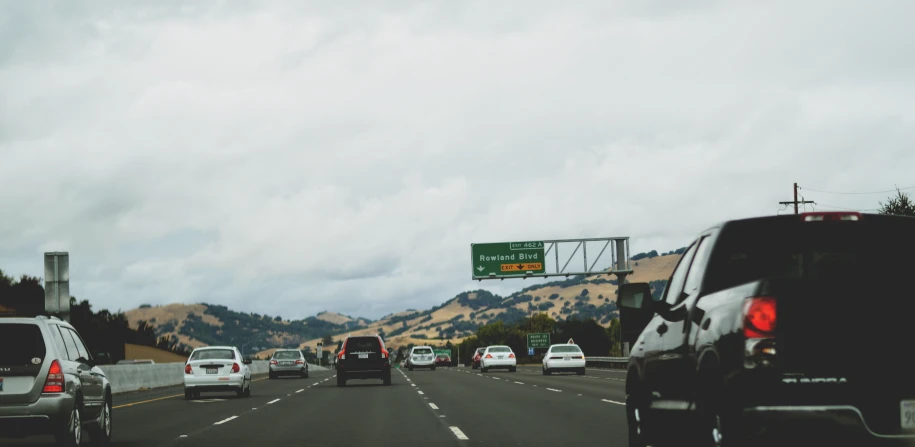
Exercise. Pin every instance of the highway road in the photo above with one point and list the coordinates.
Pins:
(445, 407)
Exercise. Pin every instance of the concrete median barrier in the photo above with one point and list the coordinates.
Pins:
(127, 378)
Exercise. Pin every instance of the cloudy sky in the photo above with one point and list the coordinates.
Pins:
(293, 157)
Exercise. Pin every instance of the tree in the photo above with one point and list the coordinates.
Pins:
(901, 205)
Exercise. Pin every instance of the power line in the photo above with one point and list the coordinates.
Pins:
(857, 193)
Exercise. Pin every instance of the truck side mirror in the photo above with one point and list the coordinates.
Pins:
(637, 308)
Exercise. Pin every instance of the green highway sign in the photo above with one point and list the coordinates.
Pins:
(538, 340)
(503, 259)
(438, 352)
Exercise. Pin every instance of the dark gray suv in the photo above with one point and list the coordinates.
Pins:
(50, 384)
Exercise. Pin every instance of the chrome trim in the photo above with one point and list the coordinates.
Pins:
(825, 409)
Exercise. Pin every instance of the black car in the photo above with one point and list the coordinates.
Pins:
(793, 325)
(363, 357)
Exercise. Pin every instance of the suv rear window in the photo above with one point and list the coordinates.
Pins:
(363, 344)
(422, 351)
(286, 355)
(20, 343)
(573, 349)
(213, 354)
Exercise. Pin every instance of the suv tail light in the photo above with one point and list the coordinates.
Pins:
(55, 381)
(274, 362)
(759, 317)
(342, 354)
(489, 356)
(235, 368)
(511, 356)
(830, 216)
(384, 354)
(300, 362)
(188, 369)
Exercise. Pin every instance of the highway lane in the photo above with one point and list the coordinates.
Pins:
(446, 407)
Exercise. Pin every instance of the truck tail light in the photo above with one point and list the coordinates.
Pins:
(830, 216)
(55, 381)
(759, 317)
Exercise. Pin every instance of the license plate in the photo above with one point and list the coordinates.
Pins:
(212, 370)
(907, 411)
(567, 358)
(286, 363)
(501, 357)
(363, 356)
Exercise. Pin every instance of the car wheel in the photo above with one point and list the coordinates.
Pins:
(188, 394)
(513, 369)
(70, 430)
(636, 403)
(411, 368)
(101, 434)
(248, 389)
(341, 381)
(482, 369)
(433, 368)
(387, 379)
(581, 372)
(271, 376)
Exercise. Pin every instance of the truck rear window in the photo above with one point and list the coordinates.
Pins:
(20, 343)
(758, 249)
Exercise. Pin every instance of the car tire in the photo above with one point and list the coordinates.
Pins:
(248, 389)
(341, 381)
(69, 432)
(271, 376)
(386, 380)
(482, 369)
(581, 372)
(433, 368)
(101, 434)
(188, 394)
(411, 368)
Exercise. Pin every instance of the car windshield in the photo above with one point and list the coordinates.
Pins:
(286, 355)
(565, 349)
(20, 343)
(500, 349)
(213, 354)
(422, 351)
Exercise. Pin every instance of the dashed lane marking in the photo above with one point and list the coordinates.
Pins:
(299, 391)
(225, 420)
(434, 407)
(273, 401)
(613, 402)
(460, 435)
(420, 392)
(558, 391)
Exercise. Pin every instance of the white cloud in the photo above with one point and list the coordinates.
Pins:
(289, 157)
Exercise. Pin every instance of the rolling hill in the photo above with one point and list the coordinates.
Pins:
(593, 297)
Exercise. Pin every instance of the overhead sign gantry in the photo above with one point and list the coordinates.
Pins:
(529, 259)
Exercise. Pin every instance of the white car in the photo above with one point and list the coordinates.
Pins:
(217, 368)
(565, 357)
(498, 357)
(421, 357)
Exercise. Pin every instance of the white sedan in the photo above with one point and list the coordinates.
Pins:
(498, 357)
(217, 368)
(566, 357)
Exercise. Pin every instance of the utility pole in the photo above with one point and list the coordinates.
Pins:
(795, 202)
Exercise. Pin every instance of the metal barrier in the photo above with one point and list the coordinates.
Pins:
(607, 362)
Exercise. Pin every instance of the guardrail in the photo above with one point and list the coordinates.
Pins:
(607, 362)
(127, 378)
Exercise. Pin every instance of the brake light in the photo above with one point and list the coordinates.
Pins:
(831, 216)
(489, 356)
(300, 362)
(188, 369)
(235, 368)
(342, 354)
(511, 356)
(384, 354)
(274, 362)
(55, 381)
(759, 317)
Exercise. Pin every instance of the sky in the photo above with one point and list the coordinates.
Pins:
(292, 157)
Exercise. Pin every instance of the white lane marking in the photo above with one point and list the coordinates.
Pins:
(420, 392)
(182, 436)
(520, 383)
(579, 394)
(299, 391)
(457, 432)
(613, 402)
(225, 420)
(412, 384)
(273, 401)
(441, 416)
(558, 391)
(316, 384)
(254, 408)
(434, 407)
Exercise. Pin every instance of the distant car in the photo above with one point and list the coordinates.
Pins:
(50, 384)
(421, 357)
(217, 368)
(288, 362)
(477, 356)
(498, 357)
(442, 360)
(564, 357)
(363, 357)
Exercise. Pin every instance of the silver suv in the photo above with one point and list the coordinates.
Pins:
(50, 384)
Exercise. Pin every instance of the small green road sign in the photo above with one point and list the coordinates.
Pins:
(504, 259)
(538, 340)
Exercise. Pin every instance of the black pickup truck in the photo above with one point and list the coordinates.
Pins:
(795, 326)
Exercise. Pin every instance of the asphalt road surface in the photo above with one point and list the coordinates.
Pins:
(445, 407)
